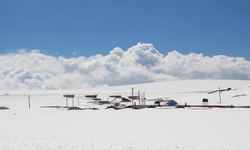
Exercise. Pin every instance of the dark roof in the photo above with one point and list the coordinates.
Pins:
(125, 99)
(116, 96)
(91, 96)
(70, 96)
(133, 97)
(104, 102)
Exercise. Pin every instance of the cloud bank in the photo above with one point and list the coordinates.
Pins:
(141, 63)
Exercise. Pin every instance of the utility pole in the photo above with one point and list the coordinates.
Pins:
(219, 95)
(29, 100)
(132, 96)
(141, 100)
(78, 101)
(144, 101)
(139, 97)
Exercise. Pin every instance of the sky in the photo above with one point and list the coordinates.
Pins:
(52, 44)
(84, 28)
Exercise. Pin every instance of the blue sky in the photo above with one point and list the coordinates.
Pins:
(90, 27)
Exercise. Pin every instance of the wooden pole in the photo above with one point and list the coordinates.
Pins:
(141, 100)
(78, 101)
(139, 97)
(132, 96)
(219, 95)
(29, 100)
(144, 98)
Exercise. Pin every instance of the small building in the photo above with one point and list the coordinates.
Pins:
(171, 103)
(69, 96)
(204, 101)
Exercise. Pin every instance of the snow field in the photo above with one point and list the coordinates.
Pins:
(161, 129)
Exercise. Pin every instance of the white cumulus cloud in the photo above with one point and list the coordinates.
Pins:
(22, 69)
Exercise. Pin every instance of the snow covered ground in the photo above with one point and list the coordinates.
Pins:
(38, 128)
